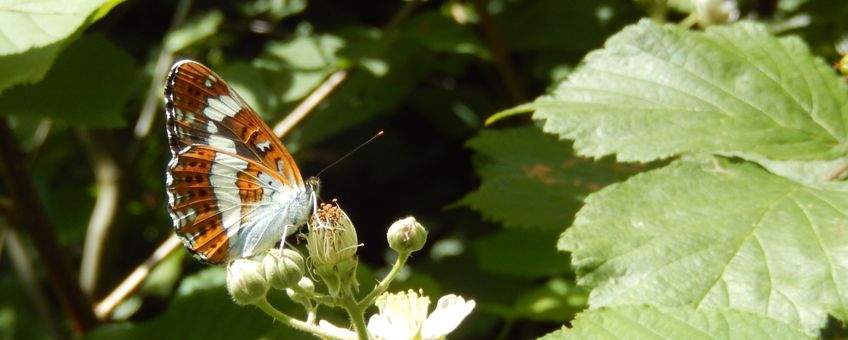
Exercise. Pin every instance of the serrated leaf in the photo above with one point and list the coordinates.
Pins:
(716, 235)
(656, 91)
(87, 86)
(522, 253)
(644, 322)
(36, 31)
(531, 180)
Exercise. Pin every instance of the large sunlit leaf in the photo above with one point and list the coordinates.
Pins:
(532, 180)
(716, 234)
(655, 91)
(32, 33)
(644, 322)
(88, 86)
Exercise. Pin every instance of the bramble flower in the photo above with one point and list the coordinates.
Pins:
(404, 316)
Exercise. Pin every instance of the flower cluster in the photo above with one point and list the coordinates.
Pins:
(332, 245)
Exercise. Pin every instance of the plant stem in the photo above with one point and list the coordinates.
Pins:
(357, 317)
(323, 299)
(30, 219)
(384, 284)
(295, 323)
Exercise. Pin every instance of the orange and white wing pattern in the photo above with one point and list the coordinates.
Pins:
(233, 189)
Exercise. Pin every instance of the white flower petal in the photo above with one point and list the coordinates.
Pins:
(400, 316)
(385, 327)
(450, 310)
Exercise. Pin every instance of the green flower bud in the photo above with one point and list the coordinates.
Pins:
(246, 281)
(712, 12)
(332, 247)
(407, 235)
(842, 66)
(283, 267)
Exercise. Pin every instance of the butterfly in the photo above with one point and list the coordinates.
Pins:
(234, 190)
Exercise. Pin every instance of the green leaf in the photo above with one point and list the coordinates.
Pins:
(194, 31)
(716, 234)
(36, 31)
(657, 91)
(574, 25)
(521, 109)
(202, 309)
(19, 316)
(441, 34)
(388, 68)
(275, 9)
(557, 300)
(87, 86)
(644, 322)
(297, 66)
(531, 180)
(528, 253)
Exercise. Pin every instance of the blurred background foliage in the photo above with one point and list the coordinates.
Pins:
(81, 92)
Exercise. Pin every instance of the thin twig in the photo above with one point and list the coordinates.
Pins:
(402, 14)
(136, 278)
(309, 104)
(493, 38)
(163, 62)
(333, 81)
(30, 217)
(836, 172)
(107, 175)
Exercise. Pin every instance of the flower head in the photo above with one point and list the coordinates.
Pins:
(332, 247)
(403, 315)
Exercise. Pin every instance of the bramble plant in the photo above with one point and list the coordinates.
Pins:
(585, 169)
(332, 244)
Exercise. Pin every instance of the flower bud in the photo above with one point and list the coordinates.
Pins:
(332, 247)
(712, 12)
(246, 281)
(283, 267)
(842, 66)
(407, 235)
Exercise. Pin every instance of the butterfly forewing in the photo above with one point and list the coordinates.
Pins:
(207, 111)
(233, 189)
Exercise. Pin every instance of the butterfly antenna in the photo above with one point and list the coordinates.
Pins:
(380, 133)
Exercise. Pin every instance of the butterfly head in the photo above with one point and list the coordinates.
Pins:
(313, 184)
(313, 187)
